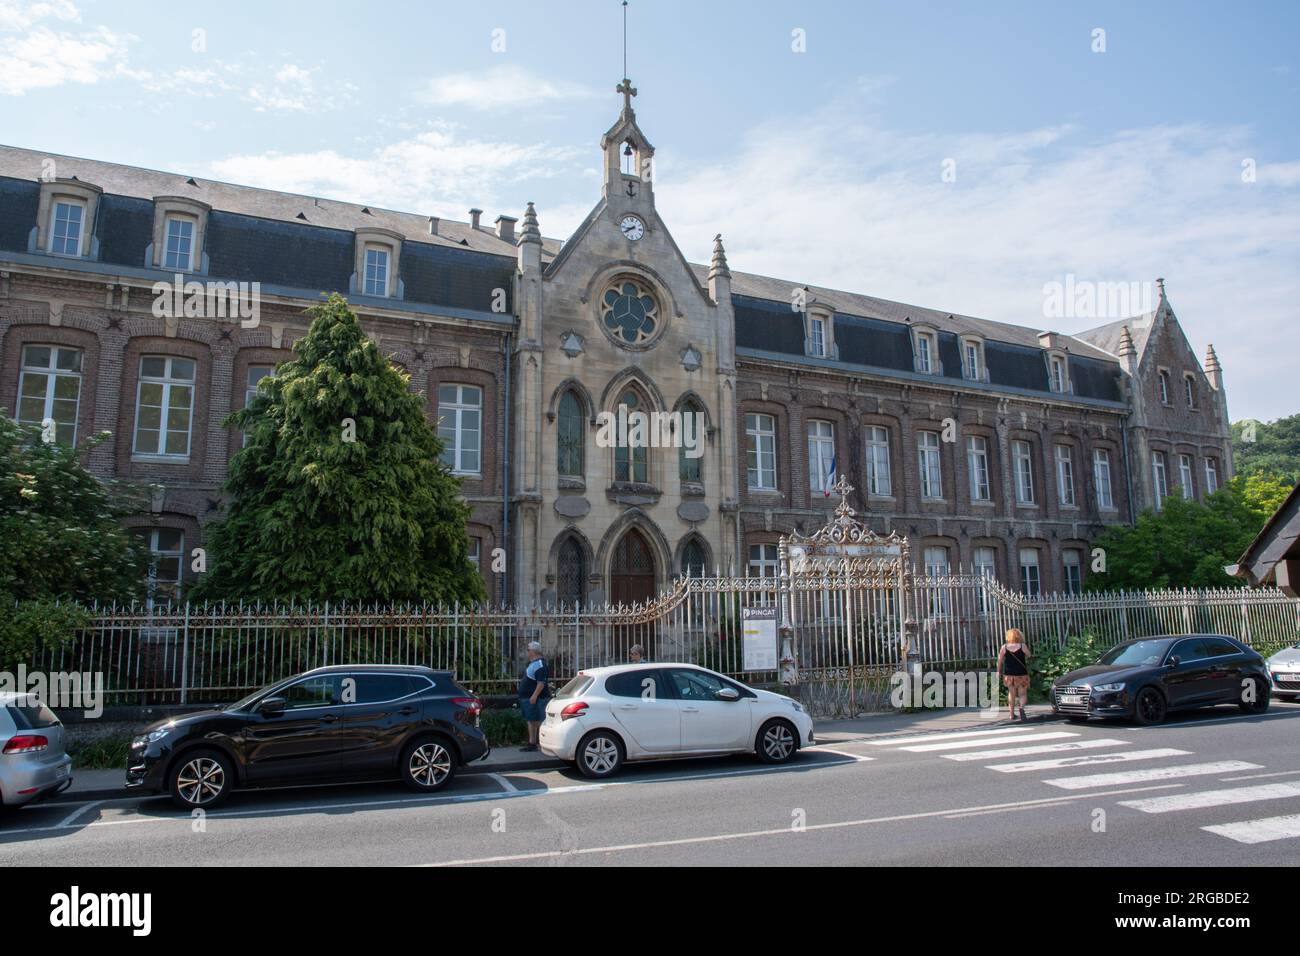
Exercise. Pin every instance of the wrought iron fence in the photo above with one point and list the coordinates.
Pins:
(844, 632)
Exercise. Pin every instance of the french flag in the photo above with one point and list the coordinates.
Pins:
(830, 479)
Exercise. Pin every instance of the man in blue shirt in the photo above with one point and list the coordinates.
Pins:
(534, 692)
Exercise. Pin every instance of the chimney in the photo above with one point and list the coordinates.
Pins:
(506, 227)
(433, 225)
(474, 215)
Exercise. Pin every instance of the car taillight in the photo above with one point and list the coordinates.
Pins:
(576, 709)
(472, 704)
(26, 744)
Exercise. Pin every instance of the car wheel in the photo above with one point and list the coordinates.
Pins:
(201, 779)
(428, 764)
(1150, 707)
(1260, 703)
(777, 742)
(600, 754)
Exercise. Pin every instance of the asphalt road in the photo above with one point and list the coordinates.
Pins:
(1212, 788)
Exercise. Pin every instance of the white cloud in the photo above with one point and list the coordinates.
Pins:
(437, 171)
(22, 14)
(497, 87)
(42, 58)
(834, 201)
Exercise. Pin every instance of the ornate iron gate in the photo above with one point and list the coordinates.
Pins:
(846, 613)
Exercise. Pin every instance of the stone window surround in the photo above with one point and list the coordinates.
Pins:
(1190, 391)
(1050, 356)
(165, 207)
(982, 369)
(923, 329)
(1163, 390)
(781, 425)
(52, 191)
(819, 310)
(370, 237)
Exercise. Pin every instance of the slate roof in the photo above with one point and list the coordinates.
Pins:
(1106, 337)
(306, 242)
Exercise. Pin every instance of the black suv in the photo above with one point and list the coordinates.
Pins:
(1146, 679)
(360, 722)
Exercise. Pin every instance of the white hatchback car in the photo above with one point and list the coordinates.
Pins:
(607, 715)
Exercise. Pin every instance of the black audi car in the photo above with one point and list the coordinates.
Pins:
(1146, 679)
(350, 722)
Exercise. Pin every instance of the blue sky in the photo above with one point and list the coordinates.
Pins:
(823, 166)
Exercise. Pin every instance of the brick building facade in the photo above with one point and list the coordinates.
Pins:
(994, 445)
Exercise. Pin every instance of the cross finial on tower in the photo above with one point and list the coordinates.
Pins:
(628, 91)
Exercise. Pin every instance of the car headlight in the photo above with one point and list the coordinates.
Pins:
(153, 736)
(797, 706)
(1109, 687)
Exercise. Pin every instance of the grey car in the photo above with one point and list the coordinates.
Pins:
(1284, 670)
(33, 763)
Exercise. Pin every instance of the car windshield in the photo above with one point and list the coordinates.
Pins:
(248, 701)
(1135, 654)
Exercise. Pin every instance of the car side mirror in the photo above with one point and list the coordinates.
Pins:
(1175, 661)
(271, 706)
(727, 693)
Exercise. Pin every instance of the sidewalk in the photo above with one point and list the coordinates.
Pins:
(110, 785)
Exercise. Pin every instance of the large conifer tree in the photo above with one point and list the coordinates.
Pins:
(339, 492)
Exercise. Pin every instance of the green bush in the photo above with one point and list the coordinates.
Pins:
(107, 753)
(503, 727)
(1080, 650)
(36, 624)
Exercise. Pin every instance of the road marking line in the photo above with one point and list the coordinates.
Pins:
(505, 784)
(925, 738)
(1086, 760)
(779, 831)
(1261, 776)
(861, 758)
(992, 742)
(1036, 749)
(1263, 830)
(1214, 798)
(67, 821)
(1060, 802)
(1151, 773)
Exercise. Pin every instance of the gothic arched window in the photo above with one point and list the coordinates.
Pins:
(569, 437)
(630, 455)
(688, 460)
(571, 573)
(694, 559)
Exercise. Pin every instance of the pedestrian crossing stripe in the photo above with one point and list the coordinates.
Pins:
(1036, 749)
(926, 738)
(1214, 798)
(1259, 831)
(1122, 778)
(1086, 760)
(958, 744)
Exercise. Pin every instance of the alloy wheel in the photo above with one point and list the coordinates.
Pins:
(430, 764)
(600, 755)
(1152, 706)
(778, 742)
(201, 781)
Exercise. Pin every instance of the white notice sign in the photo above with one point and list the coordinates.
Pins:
(759, 625)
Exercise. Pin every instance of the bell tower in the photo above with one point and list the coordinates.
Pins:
(629, 157)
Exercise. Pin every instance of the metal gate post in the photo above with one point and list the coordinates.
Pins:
(185, 654)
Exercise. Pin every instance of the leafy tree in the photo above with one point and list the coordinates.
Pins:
(339, 492)
(1275, 449)
(60, 534)
(1188, 543)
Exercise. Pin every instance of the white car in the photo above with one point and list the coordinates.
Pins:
(607, 715)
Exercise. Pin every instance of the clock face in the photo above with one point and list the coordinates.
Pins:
(632, 227)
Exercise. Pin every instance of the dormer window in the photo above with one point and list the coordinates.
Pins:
(179, 252)
(378, 264)
(817, 338)
(1058, 373)
(376, 271)
(972, 359)
(66, 223)
(925, 349)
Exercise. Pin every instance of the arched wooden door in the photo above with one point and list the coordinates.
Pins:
(632, 581)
